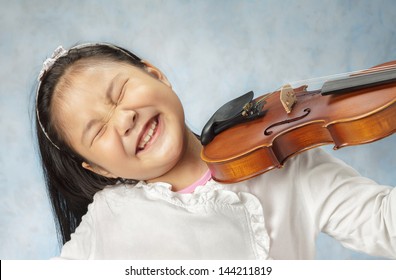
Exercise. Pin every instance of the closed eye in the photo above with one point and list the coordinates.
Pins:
(100, 132)
(122, 93)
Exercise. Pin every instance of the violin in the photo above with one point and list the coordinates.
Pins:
(247, 137)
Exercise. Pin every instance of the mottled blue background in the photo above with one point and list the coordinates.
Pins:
(211, 51)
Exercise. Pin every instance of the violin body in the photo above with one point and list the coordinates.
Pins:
(251, 148)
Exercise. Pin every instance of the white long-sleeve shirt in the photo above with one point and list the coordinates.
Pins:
(276, 215)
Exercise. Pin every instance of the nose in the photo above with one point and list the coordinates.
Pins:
(124, 121)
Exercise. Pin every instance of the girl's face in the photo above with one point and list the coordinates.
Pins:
(125, 121)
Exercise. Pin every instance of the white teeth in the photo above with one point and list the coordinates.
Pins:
(148, 136)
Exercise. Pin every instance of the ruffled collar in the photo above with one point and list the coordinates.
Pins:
(214, 193)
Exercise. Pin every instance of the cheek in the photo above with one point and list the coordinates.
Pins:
(108, 151)
(173, 143)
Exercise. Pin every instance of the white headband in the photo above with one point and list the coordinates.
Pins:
(47, 65)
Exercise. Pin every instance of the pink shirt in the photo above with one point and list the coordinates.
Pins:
(201, 182)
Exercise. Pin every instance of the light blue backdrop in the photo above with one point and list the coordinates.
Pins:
(211, 51)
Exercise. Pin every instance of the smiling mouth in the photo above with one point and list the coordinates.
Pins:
(151, 128)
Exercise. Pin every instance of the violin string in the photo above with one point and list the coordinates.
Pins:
(368, 71)
(262, 99)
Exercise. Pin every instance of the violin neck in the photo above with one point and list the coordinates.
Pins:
(359, 81)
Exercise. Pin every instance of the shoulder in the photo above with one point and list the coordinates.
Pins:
(82, 242)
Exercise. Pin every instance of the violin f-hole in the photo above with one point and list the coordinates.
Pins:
(268, 132)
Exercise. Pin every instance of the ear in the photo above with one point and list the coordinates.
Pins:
(98, 170)
(156, 73)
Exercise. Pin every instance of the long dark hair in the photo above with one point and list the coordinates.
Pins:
(70, 187)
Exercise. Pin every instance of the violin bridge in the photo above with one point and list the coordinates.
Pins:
(287, 97)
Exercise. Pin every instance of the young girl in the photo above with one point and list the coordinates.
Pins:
(126, 180)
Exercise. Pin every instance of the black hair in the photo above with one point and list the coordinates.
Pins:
(70, 187)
